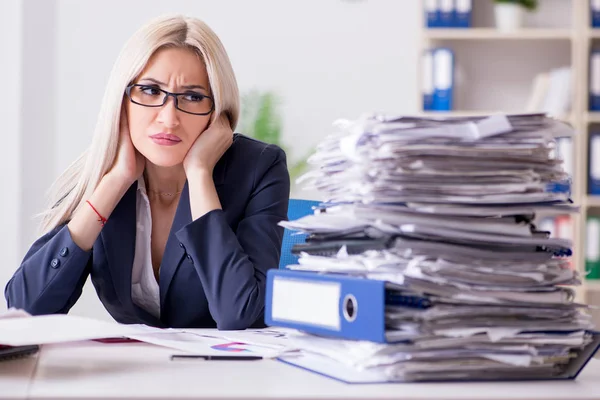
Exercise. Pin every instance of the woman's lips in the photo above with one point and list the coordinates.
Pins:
(165, 139)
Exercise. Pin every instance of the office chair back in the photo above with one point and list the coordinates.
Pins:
(297, 208)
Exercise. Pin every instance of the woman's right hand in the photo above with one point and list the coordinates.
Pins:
(129, 163)
(128, 166)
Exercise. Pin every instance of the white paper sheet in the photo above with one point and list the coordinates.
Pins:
(266, 343)
(14, 313)
(59, 328)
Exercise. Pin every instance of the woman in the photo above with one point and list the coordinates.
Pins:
(172, 214)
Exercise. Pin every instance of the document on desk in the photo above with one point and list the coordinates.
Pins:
(19, 329)
(211, 342)
(59, 328)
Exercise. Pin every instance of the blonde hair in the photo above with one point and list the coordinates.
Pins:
(81, 178)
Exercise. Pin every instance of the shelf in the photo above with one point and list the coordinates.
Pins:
(592, 200)
(593, 117)
(564, 43)
(591, 284)
(494, 34)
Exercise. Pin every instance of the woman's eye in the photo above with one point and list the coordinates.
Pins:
(149, 90)
(193, 97)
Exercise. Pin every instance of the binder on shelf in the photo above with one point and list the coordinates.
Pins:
(462, 15)
(446, 14)
(594, 164)
(432, 13)
(592, 248)
(332, 304)
(443, 79)
(563, 228)
(427, 81)
(595, 13)
(594, 89)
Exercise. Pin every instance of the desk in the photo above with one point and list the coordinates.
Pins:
(90, 370)
(16, 376)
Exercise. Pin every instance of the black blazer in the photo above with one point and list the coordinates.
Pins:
(213, 270)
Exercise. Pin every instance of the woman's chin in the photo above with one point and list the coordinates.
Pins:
(164, 160)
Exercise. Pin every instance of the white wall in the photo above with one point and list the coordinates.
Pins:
(325, 58)
(10, 103)
(37, 112)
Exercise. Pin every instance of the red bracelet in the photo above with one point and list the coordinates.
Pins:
(101, 219)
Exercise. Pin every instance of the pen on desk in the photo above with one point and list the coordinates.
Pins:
(215, 358)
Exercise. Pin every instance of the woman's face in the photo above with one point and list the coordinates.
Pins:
(164, 134)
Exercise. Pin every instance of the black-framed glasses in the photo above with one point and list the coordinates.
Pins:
(190, 102)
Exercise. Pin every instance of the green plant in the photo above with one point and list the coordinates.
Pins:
(261, 119)
(530, 5)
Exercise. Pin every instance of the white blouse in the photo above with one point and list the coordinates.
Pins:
(145, 291)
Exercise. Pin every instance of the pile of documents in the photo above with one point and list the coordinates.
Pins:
(443, 211)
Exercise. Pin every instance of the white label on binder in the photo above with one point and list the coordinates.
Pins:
(431, 6)
(463, 6)
(595, 73)
(446, 5)
(595, 5)
(442, 77)
(427, 72)
(315, 303)
(595, 157)
(593, 239)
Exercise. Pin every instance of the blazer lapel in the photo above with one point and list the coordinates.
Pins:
(118, 238)
(173, 251)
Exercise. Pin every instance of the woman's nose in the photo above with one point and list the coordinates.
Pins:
(169, 115)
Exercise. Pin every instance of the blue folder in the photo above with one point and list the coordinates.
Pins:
(346, 307)
(352, 308)
(594, 163)
(432, 13)
(446, 13)
(594, 80)
(443, 79)
(462, 13)
(332, 305)
(595, 13)
(427, 81)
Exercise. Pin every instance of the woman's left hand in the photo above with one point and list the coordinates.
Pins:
(209, 147)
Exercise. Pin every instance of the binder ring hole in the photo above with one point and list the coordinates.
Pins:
(350, 308)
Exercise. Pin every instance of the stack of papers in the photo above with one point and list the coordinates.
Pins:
(444, 209)
(433, 358)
